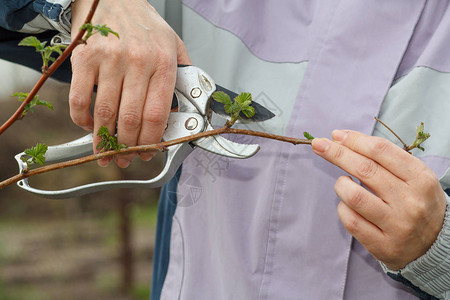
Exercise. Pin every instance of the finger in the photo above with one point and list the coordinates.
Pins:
(134, 93)
(182, 54)
(366, 204)
(371, 174)
(106, 104)
(157, 107)
(369, 235)
(82, 85)
(390, 156)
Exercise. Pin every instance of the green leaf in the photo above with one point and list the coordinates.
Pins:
(104, 30)
(222, 97)
(88, 27)
(57, 48)
(240, 104)
(103, 132)
(245, 99)
(32, 41)
(43, 103)
(20, 96)
(35, 155)
(33, 103)
(420, 138)
(249, 111)
(108, 141)
(46, 52)
(308, 136)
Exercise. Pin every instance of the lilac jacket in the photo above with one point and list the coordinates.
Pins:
(266, 227)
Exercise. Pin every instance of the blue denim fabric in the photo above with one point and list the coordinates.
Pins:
(51, 10)
(14, 14)
(166, 210)
(421, 294)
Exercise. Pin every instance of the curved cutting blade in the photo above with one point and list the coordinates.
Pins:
(220, 145)
(261, 113)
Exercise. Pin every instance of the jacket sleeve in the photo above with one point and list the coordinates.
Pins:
(429, 275)
(36, 16)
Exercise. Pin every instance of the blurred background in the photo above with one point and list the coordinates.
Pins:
(98, 246)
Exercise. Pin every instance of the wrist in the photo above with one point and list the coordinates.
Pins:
(430, 272)
(80, 9)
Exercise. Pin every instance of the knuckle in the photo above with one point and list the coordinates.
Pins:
(77, 102)
(114, 54)
(105, 112)
(367, 168)
(180, 45)
(136, 56)
(352, 225)
(350, 222)
(80, 56)
(379, 147)
(166, 63)
(428, 178)
(407, 229)
(418, 211)
(130, 119)
(155, 116)
(356, 199)
(339, 153)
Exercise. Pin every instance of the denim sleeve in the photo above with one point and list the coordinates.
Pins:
(36, 16)
(15, 14)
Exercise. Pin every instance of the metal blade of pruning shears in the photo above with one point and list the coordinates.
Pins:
(261, 113)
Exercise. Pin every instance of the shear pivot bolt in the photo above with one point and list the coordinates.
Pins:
(196, 92)
(191, 123)
(57, 40)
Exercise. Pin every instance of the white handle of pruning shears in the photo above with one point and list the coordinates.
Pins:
(83, 146)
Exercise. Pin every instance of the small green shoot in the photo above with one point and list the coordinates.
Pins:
(308, 136)
(108, 142)
(46, 51)
(241, 103)
(35, 155)
(30, 106)
(420, 138)
(102, 29)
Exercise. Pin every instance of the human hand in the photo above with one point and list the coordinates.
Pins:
(400, 214)
(135, 74)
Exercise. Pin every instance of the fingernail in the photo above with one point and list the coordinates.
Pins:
(146, 156)
(123, 163)
(104, 162)
(339, 135)
(320, 145)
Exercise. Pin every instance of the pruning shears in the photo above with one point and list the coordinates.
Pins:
(192, 95)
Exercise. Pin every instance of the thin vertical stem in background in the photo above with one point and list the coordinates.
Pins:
(126, 251)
